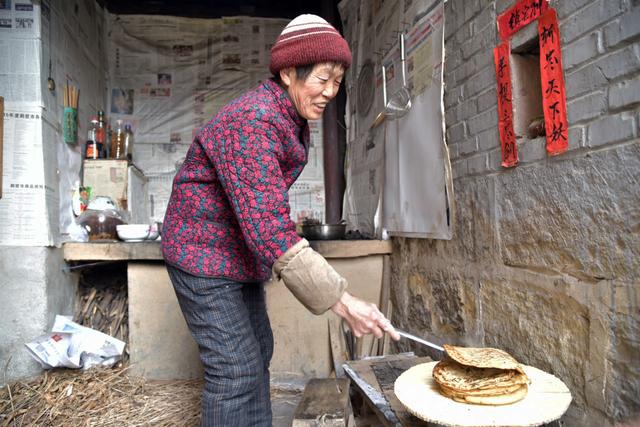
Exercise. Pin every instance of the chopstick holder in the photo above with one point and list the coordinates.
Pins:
(70, 115)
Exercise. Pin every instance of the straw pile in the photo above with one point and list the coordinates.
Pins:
(99, 397)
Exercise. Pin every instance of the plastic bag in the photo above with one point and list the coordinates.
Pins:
(75, 346)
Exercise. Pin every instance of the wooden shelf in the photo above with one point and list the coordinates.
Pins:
(123, 251)
(112, 251)
(351, 248)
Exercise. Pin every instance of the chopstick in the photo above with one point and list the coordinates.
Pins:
(70, 95)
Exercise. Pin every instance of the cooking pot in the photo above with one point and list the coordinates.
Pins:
(323, 231)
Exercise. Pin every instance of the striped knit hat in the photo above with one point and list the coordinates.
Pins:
(308, 39)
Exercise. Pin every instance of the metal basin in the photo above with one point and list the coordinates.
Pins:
(324, 231)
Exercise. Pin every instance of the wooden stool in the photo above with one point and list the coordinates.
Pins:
(325, 402)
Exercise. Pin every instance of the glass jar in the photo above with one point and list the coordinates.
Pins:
(118, 149)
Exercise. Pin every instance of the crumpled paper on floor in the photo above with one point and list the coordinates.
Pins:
(75, 346)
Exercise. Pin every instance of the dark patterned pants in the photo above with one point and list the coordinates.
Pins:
(229, 322)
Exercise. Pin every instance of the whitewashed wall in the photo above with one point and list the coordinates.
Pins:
(39, 168)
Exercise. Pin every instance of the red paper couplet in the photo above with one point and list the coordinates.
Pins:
(505, 105)
(552, 81)
(520, 15)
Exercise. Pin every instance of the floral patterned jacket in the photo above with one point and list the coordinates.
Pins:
(229, 215)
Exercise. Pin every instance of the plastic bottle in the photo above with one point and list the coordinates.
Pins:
(128, 142)
(107, 145)
(118, 149)
(101, 134)
(93, 149)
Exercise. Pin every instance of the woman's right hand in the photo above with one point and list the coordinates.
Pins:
(363, 317)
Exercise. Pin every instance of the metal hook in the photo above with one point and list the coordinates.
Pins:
(402, 59)
(384, 85)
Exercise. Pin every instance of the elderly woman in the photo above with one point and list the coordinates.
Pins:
(228, 229)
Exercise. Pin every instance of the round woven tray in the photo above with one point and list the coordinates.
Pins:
(548, 398)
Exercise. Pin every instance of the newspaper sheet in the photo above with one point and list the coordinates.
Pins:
(159, 193)
(27, 194)
(71, 345)
(247, 41)
(415, 201)
(365, 169)
(314, 171)
(20, 49)
(307, 200)
(19, 18)
(20, 69)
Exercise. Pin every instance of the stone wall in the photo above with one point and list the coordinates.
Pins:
(545, 259)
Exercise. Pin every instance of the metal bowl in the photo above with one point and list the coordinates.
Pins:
(324, 231)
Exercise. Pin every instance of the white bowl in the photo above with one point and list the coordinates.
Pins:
(154, 232)
(133, 232)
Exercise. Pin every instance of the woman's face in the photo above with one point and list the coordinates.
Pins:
(312, 95)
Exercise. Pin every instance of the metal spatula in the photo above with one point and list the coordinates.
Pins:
(420, 340)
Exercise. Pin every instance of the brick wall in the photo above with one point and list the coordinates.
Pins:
(545, 258)
(601, 58)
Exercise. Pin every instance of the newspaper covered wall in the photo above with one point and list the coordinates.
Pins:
(41, 41)
(168, 76)
(417, 188)
(371, 29)
(28, 193)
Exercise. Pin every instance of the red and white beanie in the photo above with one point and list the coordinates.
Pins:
(308, 39)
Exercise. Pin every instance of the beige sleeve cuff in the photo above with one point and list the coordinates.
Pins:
(312, 280)
(288, 256)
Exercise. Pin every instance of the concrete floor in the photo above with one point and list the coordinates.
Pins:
(283, 406)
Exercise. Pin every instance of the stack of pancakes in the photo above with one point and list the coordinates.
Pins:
(483, 376)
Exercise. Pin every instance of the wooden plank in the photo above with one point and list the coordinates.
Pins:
(385, 296)
(325, 402)
(339, 351)
(373, 397)
(385, 291)
(386, 373)
(116, 251)
(386, 339)
(365, 382)
(351, 248)
(359, 348)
